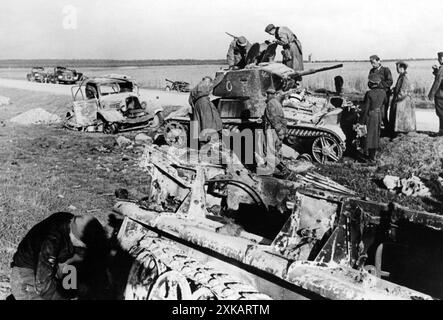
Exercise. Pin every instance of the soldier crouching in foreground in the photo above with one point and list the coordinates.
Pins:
(53, 248)
(373, 114)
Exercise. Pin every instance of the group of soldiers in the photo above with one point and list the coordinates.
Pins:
(393, 108)
(292, 50)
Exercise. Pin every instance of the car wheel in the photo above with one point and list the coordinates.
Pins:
(110, 128)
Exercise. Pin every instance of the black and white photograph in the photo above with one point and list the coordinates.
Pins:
(234, 151)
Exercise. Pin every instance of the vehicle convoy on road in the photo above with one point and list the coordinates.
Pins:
(64, 75)
(180, 86)
(111, 104)
(313, 122)
(38, 74)
(212, 231)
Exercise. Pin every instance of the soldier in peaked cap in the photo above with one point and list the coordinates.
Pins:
(436, 92)
(385, 83)
(237, 52)
(372, 114)
(292, 49)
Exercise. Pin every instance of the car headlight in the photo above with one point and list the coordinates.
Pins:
(60, 77)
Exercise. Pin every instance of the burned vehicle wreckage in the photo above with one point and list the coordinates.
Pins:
(111, 104)
(211, 229)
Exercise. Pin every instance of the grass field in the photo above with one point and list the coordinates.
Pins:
(354, 74)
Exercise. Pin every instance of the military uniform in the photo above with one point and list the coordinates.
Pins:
(292, 49)
(372, 117)
(236, 55)
(275, 130)
(436, 93)
(61, 239)
(35, 263)
(204, 116)
(386, 83)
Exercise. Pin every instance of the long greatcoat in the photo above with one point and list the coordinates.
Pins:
(437, 94)
(292, 49)
(372, 116)
(205, 115)
(402, 113)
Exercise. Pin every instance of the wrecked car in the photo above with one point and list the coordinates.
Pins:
(38, 74)
(65, 75)
(111, 104)
(211, 231)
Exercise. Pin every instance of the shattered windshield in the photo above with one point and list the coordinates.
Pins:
(113, 88)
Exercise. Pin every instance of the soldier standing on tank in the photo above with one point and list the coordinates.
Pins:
(275, 130)
(373, 113)
(292, 49)
(386, 83)
(436, 92)
(237, 52)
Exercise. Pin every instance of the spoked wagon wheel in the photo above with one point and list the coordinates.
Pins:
(326, 149)
(141, 278)
(171, 285)
(176, 134)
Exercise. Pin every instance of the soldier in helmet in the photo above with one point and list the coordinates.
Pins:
(436, 92)
(373, 114)
(292, 49)
(60, 240)
(237, 52)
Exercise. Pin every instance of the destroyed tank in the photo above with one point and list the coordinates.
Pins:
(211, 230)
(240, 97)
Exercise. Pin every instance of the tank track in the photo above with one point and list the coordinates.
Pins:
(198, 275)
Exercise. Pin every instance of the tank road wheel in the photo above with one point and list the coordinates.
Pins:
(171, 285)
(326, 149)
(176, 134)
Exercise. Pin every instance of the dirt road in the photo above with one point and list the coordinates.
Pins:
(165, 98)
(426, 119)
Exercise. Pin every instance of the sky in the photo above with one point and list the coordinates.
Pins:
(195, 29)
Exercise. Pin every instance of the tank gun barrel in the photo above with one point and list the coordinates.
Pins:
(312, 71)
